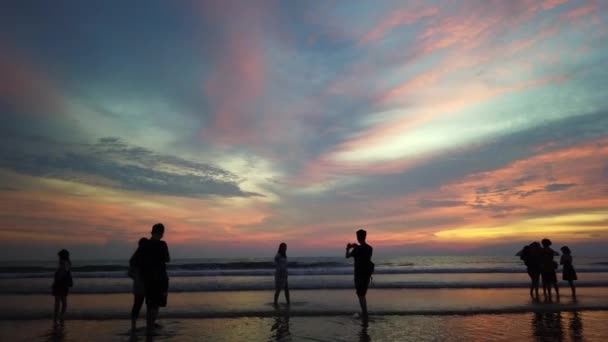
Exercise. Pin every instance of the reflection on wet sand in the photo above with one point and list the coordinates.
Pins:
(576, 327)
(547, 326)
(280, 329)
(56, 334)
(363, 334)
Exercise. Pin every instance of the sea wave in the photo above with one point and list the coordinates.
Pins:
(268, 284)
(191, 271)
(110, 315)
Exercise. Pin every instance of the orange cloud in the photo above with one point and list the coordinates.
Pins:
(48, 210)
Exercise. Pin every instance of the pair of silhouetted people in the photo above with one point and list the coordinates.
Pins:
(62, 282)
(540, 264)
(148, 269)
(364, 267)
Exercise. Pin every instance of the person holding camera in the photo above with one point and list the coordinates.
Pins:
(364, 267)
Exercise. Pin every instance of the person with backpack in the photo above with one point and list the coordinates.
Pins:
(364, 267)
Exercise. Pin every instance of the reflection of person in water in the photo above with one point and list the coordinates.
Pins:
(576, 327)
(547, 326)
(280, 328)
(363, 334)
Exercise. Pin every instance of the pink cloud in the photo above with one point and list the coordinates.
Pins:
(239, 76)
(399, 18)
(549, 4)
(27, 89)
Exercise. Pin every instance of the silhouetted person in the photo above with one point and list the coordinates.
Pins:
(61, 285)
(548, 267)
(154, 256)
(531, 256)
(568, 272)
(363, 267)
(139, 289)
(280, 273)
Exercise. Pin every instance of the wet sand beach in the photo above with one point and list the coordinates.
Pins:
(564, 326)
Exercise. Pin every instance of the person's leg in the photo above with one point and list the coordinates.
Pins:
(363, 304)
(287, 294)
(556, 289)
(64, 305)
(547, 284)
(277, 292)
(56, 310)
(573, 288)
(151, 314)
(138, 301)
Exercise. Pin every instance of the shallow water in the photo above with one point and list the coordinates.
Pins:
(564, 326)
(308, 303)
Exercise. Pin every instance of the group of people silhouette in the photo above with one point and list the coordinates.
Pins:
(538, 258)
(147, 268)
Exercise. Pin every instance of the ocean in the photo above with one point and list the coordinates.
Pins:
(194, 275)
(447, 298)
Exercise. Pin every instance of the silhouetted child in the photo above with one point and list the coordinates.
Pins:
(139, 290)
(548, 267)
(61, 284)
(568, 272)
(280, 274)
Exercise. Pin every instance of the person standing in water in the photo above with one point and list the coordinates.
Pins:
(568, 273)
(139, 290)
(280, 273)
(531, 256)
(61, 285)
(364, 267)
(548, 267)
(154, 257)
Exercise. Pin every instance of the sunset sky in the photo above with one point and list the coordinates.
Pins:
(441, 127)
